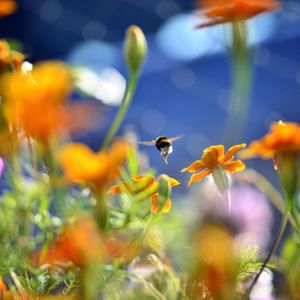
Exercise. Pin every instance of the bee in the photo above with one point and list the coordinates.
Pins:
(163, 145)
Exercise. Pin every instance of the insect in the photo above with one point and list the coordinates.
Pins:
(163, 144)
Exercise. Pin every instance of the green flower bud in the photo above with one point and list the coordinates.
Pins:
(135, 48)
(164, 186)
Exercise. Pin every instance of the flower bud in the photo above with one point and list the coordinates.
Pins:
(135, 48)
(164, 186)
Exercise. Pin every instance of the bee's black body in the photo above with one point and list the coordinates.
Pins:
(162, 142)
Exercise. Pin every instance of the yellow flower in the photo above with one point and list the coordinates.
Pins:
(81, 165)
(222, 11)
(214, 159)
(3, 286)
(35, 102)
(7, 7)
(144, 186)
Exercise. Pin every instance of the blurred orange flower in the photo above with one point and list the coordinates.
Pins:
(79, 243)
(144, 186)
(81, 165)
(283, 138)
(82, 243)
(222, 11)
(3, 286)
(213, 157)
(35, 101)
(9, 58)
(7, 7)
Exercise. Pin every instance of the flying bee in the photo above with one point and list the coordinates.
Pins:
(163, 144)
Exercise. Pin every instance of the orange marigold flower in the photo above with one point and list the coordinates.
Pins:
(81, 165)
(283, 138)
(35, 101)
(79, 243)
(213, 158)
(283, 145)
(223, 11)
(7, 7)
(144, 186)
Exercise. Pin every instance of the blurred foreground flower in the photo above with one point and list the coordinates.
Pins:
(7, 7)
(145, 186)
(3, 286)
(8, 57)
(36, 101)
(81, 165)
(223, 11)
(215, 267)
(82, 243)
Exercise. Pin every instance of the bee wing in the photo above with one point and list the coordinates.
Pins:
(147, 143)
(176, 138)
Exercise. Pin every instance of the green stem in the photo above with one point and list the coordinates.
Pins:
(101, 212)
(130, 89)
(271, 252)
(241, 84)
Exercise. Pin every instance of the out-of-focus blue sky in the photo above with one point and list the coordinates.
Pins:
(185, 84)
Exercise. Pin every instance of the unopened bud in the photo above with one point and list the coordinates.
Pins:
(135, 48)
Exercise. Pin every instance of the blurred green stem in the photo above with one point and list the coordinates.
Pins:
(101, 213)
(241, 84)
(127, 98)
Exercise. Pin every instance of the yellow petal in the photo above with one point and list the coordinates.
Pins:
(232, 150)
(199, 176)
(155, 205)
(234, 166)
(212, 155)
(173, 181)
(194, 167)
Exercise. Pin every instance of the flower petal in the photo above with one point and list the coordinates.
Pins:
(173, 181)
(234, 166)
(114, 190)
(212, 155)
(199, 176)
(231, 152)
(155, 204)
(194, 167)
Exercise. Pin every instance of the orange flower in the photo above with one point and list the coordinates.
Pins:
(214, 159)
(283, 138)
(8, 57)
(144, 186)
(223, 11)
(79, 243)
(3, 286)
(35, 101)
(7, 7)
(283, 145)
(81, 165)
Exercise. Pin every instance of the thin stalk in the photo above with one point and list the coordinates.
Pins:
(271, 252)
(241, 84)
(101, 212)
(127, 98)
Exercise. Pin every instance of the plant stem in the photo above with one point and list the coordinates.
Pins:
(241, 84)
(271, 252)
(130, 89)
(101, 213)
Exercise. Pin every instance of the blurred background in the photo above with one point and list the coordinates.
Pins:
(186, 80)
